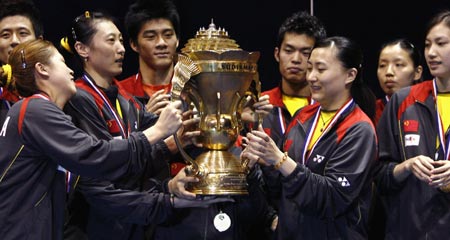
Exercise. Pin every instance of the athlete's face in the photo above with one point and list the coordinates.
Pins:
(396, 69)
(106, 50)
(329, 80)
(292, 57)
(156, 44)
(14, 30)
(437, 51)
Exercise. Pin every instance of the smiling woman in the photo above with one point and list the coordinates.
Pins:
(326, 181)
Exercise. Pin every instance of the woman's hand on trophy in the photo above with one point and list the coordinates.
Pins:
(170, 119)
(177, 185)
(248, 159)
(158, 102)
(168, 123)
(261, 148)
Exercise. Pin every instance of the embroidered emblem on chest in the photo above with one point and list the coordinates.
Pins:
(318, 158)
(343, 181)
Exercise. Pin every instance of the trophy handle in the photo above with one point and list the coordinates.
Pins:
(184, 69)
(193, 168)
(256, 90)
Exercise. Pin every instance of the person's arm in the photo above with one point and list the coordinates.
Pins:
(322, 194)
(51, 131)
(126, 205)
(389, 151)
(155, 204)
(85, 114)
(391, 170)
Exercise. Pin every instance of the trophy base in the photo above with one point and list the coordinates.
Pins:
(225, 175)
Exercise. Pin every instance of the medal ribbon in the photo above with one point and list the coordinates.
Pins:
(282, 120)
(333, 121)
(108, 104)
(444, 145)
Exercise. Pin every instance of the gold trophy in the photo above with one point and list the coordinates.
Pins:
(218, 80)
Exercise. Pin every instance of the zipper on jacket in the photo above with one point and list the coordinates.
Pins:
(40, 200)
(12, 162)
(400, 135)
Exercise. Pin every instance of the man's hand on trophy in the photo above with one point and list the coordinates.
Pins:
(177, 185)
(258, 110)
(158, 102)
(189, 131)
(181, 198)
(263, 106)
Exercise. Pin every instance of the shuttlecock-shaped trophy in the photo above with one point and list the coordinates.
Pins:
(217, 78)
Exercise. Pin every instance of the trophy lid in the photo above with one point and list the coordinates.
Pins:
(211, 39)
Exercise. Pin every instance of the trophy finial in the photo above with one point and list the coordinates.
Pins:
(212, 39)
(212, 26)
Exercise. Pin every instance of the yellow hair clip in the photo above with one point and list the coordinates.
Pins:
(65, 44)
(87, 14)
(8, 72)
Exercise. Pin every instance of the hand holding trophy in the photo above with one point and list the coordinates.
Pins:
(216, 78)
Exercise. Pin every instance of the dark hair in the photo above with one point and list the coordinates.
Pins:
(23, 59)
(145, 10)
(24, 8)
(302, 23)
(413, 52)
(350, 55)
(442, 16)
(82, 30)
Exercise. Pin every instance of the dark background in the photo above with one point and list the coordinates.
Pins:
(254, 24)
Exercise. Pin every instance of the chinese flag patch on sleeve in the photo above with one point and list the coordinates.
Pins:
(113, 126)
(410, 126)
